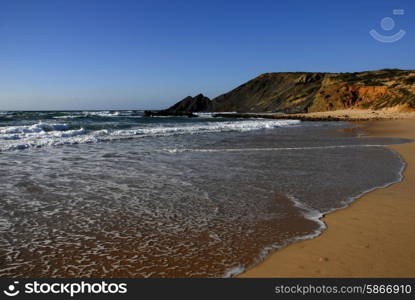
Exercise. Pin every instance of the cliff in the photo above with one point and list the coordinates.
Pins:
(310, 92)
(301, 92)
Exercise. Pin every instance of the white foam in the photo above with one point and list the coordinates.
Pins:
(102, 113)
(39, 127)
(37, 135)
(67, 117)
(270, 149)
(48, 134)
(204, 115)
(85, 114)
(316, 216)
(240, 126)
(233, 271)
(308, 213)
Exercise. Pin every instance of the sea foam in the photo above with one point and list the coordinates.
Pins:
(55, 134)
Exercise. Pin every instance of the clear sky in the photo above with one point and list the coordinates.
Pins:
(124, 54)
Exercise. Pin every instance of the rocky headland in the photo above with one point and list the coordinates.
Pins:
(306, 92)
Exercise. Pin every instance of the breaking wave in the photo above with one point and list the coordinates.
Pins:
(55, 134)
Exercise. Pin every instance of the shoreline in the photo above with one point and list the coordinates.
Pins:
(336, 115)
(371, 237)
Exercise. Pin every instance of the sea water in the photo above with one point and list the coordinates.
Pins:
(116, 194)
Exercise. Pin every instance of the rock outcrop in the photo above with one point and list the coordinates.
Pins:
(186, 107)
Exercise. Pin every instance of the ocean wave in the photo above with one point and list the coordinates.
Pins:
(37, 135)
(101, 114)
(70, 137)
(204, 115)
(67, 116)
(87, 114)
(49, 134)
(36, 128)
(240, 126)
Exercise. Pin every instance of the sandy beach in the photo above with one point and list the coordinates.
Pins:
(393, 113)
(374, 236)
(350, 114)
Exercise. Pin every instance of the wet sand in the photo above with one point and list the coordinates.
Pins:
(373, 237)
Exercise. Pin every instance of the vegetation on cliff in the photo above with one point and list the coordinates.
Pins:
(311, 92)
(300, 92)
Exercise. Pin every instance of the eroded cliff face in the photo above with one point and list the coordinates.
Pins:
(346, 96)
(311, 92)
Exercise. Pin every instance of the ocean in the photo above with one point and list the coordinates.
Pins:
(117, 194)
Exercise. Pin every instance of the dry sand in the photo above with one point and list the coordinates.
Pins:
(392, 113)
(373, 237)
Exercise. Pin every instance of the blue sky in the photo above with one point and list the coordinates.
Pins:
(126, 54)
